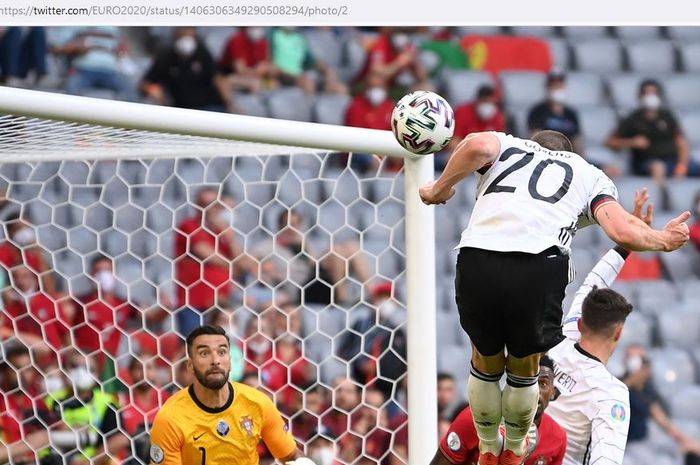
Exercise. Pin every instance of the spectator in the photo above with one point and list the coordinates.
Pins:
(653, 135)
(34, 316)
(297, 259)
(395, 58)
(371, 109)
(186, 76)
(375, 345)
(22, 248)
(483, 114)
(446, 394)
(205, 260)
(645, 402)
(93, 53)
(22, 408)
(287, 368)
(22, 51)
(84, 404)
(554, 114)
(246, 60)
(315, 403)
(294, 64)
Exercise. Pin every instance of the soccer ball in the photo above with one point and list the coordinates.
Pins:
(423, 122)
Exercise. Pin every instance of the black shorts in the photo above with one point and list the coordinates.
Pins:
(511, 300)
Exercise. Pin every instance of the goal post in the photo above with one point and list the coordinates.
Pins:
(55, 127)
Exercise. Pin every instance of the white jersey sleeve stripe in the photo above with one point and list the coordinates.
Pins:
(602, 275)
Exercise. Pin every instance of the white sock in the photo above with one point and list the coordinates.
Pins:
(520, 398)
(485, 402)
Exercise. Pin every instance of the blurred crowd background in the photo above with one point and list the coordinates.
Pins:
(108, 264)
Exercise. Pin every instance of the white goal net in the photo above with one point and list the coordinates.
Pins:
(117, 242)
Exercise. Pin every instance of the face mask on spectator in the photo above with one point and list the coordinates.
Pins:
(82, 379)
(387, 311)
(255, 33)
(53, 383)
(323, 456)
(634, 364)
(375, 95)
(186, 45)
(557, 95)
(24, 236)
(400, 40)
(651, 101)
(486, 110)
(105, 280)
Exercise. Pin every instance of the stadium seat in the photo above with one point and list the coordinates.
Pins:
(628, 185)
(536, 31)
(685, 404)
(602, 156)
(519, 116)
(289, 190)
(251, 104)
(679, 327)
(598, 55)
(448, 325)
(690, 291)
(597, 123)
(690, 56)
(461, 85)
(346, 188)
(523, 88)
(654, 297)
(216, 38)
(584, 89)
(583, 262)
(325, 46)
(651, 56)
(672, 369)
(129, 218)
(143, 244)
(679, 264)
(683, 33)
(69, 264)
(51, 237)
(246, 217)
(559, 49)
(455, 360)
(638, 330)
(636, 32)
(74, 172)
(584, 32)
(290, 104)
(681, 91)
(683, 193)
(330, 109)
(82, 240)
(115, 193)
(690, 124)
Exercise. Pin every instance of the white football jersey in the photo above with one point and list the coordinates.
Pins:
(531, 198)
(592, 405)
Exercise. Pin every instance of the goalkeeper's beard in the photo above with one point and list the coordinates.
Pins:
(206, 379)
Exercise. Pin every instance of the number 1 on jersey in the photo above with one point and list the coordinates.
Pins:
(204, 455)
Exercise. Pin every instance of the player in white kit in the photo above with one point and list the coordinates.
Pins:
(591, 404)
(513, 265)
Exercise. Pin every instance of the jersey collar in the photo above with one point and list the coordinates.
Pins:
(586, 353)
(199, 404)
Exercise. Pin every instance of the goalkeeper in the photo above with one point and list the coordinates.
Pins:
(215, 422)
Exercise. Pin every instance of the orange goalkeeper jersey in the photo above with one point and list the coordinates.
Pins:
(186, 432)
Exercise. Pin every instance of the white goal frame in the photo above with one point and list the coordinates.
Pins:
(420, 226)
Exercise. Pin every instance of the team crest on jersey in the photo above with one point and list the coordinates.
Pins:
(453, 442)
(157, 454)
(247, 425)
(618, 412)
(222, 428)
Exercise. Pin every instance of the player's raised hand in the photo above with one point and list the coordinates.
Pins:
(677, 231)
(640, 198)
(431, 195)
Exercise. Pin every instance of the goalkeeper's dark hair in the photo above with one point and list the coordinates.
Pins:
(553, 140)
(603, 310)
(206, 330)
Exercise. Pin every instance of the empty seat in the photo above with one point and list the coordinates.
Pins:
(559, 50)
(290, 104)
(598, 55)
(672, 369)
(679, 264)
(251, 104)
(683, 193)
(461, 85)
(679, 327)
(216, 38)
(523, 88)
(628, 185)
(602, 156)
(637, 32)
(597, 123)
(638, 330)
(686, 403)
(682, 91)
(654, 297)
(683, 33)
(455, 360)
(536, 31)
(581, 32)
(690, 56)
(583, 263)
(584, 89)
(651, 56)
(331, 109)
(326, 47)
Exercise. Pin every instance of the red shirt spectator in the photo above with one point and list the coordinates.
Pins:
(40, 319)
(364, 114)
(392, 54)
(100, 322)
(22, 249)
(201, 283)
(249, 46)
(483, 114)
(695, 234)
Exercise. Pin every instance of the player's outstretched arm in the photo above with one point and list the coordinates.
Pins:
(606, 270)
(474, 152)
(634, 234)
